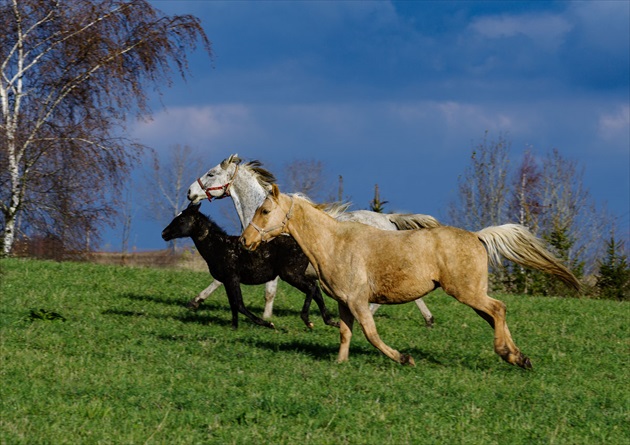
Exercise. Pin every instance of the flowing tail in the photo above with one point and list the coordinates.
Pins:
(517, 244)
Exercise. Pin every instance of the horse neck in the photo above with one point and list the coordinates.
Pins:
(313, 230)
(247, 195)
(205, 232)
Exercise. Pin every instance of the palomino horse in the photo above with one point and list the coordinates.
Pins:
(358, 264)
(248, 184)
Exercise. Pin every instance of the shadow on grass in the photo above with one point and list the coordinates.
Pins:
(220, 303)
(319, 351)
(153, 299)
(188, 317)
(204, 317)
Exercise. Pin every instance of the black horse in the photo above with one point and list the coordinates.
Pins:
(232, 265)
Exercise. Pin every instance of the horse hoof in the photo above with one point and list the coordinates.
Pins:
(192, 305)
(406, 359)
(526, 363)
(429, 323)
(271, 326)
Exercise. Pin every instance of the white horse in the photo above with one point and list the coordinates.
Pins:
(249, 184)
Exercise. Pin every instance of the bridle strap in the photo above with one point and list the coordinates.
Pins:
(282, 225)
(224, 187)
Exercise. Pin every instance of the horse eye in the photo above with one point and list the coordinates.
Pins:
(265, 212)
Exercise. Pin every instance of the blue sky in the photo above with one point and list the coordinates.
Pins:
(398, 93)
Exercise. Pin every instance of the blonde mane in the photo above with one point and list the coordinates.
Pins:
(333, 209)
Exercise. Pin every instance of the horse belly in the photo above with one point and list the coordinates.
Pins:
(402, 279)
(397, 290)
(257, 271)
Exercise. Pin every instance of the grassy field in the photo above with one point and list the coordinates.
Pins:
(130, 365)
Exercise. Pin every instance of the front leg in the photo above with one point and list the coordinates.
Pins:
(345, 331)
(361, 312)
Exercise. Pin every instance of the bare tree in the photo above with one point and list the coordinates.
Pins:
(546, 195)
(309, 177)
(70, 72)
(571, 218)
(526, 196)
(166, 182)
(483, 188)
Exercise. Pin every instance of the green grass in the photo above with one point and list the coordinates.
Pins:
(131, 365)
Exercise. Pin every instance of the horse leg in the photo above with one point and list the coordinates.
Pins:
(364, 316)
(236, 297)
(312, 292)
(346, 321)
(426, 313)
(308, 285)
(233, 300)
(316, 294)
(195, 302)
(270, 293)
(493, 311)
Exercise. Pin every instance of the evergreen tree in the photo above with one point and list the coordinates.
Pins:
(613, 280)
(561, 242)
(376, 205)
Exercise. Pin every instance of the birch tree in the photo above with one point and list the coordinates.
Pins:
(70, 74)
(308, 176)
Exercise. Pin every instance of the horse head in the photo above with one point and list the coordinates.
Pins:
(183, 224)
(269, 221)
(216, 182)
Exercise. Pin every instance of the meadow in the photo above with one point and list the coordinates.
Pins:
(97, 354)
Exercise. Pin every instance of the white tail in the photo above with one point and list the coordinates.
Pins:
(517, 244)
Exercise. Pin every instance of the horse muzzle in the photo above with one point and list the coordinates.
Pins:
(249, 244)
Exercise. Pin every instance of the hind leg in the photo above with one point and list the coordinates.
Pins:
(308, 285)
(270, 293)
(236, 301)
(201, 297)
(426, 313)
(364, 316)
(313, 293)
(493, 311)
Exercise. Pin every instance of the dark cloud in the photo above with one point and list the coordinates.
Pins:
(398, 93)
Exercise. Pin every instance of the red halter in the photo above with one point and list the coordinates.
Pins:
(224, 187)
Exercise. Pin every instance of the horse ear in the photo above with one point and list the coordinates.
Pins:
(275, 191)
(232, 159)
(193, 206)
